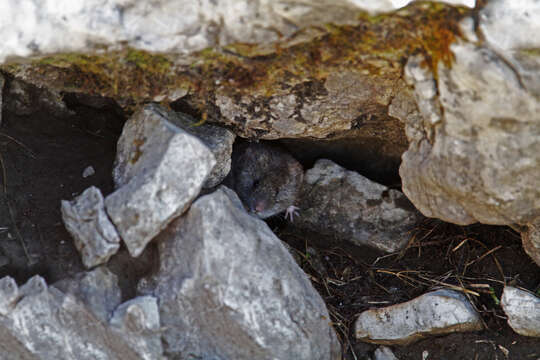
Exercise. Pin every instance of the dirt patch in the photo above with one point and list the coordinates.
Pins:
(44, 158)
(478, 259)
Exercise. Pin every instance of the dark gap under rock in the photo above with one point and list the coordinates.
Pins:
(47, 169)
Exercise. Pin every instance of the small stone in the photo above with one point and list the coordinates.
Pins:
(342, 203)
(88, 171)
(435, 313)
(523, 311)
(94, 235)
(159, 170)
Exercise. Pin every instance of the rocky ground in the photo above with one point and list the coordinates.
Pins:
(44, 158)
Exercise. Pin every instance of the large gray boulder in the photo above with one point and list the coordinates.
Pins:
(159, 169)
(228, 289)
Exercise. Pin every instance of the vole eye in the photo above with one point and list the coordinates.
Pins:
(256, 183)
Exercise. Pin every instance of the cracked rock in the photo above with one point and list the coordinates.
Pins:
(159, 170)
(42, 322)
(94, 235)
(435, 313)
(338, 202)
(523, 311)
(228, 289)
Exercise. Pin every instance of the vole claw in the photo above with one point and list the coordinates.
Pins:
(291, 212)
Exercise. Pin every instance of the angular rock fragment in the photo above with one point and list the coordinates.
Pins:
(97, 289)
(44, 323)
(94, 235)
(342, 203)
(218, 139)
(159, 170)
(523, 311)
(229, 289)
(437, 312)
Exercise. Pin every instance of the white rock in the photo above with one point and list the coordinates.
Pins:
(94, 235)
(159, 170)
(437, 312)
(523, 311)
(229, 289)
(88, 171)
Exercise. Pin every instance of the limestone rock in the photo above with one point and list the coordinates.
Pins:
(42, 322)
(97, 289)
(342, 203)
(227, 288)
(218, 139)
(437, 312)
(523, 311)
(94, 235)
(159, 170)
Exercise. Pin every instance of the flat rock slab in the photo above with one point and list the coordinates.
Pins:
(159, 170)
(523, 311)
(437, 312)
(229, 289)
(342, 203)
(86, 220)
(41, 322)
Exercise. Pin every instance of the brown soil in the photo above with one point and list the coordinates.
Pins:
(349, 279)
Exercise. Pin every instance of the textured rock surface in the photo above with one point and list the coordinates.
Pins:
(40, 322)
(342, 203)
(159, 170)
(95, 236)
(97, 289)
(474, 150)
(437, 312)
(218, 139)
(523, 311)
(228, 289)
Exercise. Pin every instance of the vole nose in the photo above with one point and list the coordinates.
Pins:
(259, 206)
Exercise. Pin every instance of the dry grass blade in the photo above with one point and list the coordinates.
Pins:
(19, 143)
